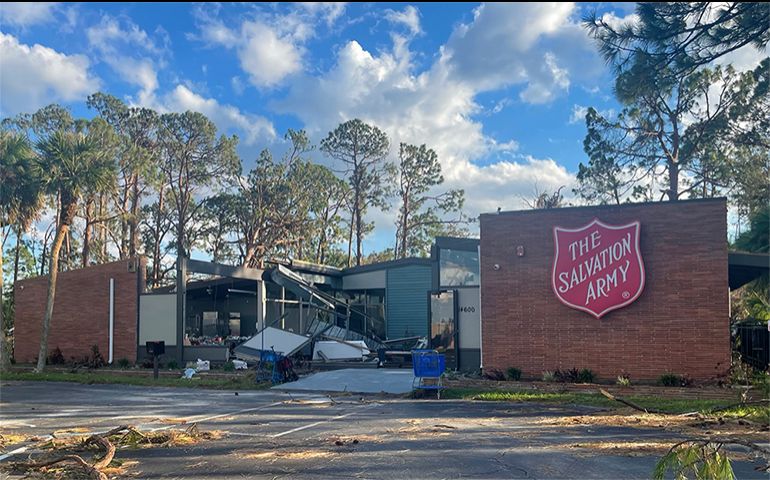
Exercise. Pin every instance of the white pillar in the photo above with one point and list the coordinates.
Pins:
(112, 318)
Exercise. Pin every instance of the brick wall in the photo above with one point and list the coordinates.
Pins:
(679, 324)
(81, 313)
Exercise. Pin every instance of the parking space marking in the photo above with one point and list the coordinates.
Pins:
(13, 452)
(315, 424)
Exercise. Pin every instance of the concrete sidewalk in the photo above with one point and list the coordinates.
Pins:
(356, 380)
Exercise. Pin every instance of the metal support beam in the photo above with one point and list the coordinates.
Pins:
(243, 273)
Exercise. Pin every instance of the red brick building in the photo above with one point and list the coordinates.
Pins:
(679, 323)
(81, 315)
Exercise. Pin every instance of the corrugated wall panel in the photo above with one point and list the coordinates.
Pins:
(407, 301)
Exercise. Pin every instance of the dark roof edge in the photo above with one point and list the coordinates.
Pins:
(749, 259)
(606, 207)
(401, 262)
(457, 243)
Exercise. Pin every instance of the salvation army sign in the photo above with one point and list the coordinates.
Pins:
(598, 268)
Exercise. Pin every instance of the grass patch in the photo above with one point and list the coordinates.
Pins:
(667, 405)
(241, 382)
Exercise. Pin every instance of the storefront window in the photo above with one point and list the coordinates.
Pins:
(458, 268)
(367, 315)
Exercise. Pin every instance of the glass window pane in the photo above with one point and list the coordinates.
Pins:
(458, 268)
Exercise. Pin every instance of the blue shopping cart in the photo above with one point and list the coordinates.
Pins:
(429, 366)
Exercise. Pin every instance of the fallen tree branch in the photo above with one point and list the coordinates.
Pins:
(628, 402)
(77, 459)
(93, 471)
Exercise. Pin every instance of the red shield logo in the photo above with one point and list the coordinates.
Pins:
(598, 268)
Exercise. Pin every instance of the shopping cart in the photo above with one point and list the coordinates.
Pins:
(429, 365)
(274, 367)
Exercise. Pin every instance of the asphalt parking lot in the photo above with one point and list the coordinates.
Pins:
(272, 434)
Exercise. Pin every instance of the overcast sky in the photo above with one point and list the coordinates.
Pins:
(498, 90)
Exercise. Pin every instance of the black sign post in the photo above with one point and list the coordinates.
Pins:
(156, 349)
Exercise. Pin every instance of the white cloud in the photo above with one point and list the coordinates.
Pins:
(504, 46)
(33, 76)
(253, 128)
(431, 107)
(129, 51)
(267, 57)
(270, 46)
(237, 84)
(409, 17)
(553, 81)
(579, 112)
(25, 14)
(328, 11)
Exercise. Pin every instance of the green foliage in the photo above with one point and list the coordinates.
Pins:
(674, 38)
(123, 363)
(361, 149)
(192, 159)
(757, 237)
(585, 376)
(674, 380)
(698, 459)
(513, 373)
(237, 381)
(229, 366)
(705, 129)
(172, 365)
(418, 175)
(549, 376)
(623, 381)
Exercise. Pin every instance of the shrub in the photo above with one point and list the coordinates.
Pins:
(229, 366)
(673, 380)
(123, 363)
(513, 373)
(95, 359)
(494, 375)
(585, 376)
(56, 357)
(549, 376)
(172, 365)
(567, 376)
(623, 381)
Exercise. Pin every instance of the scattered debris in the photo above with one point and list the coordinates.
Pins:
(274, 455)
(68, 457)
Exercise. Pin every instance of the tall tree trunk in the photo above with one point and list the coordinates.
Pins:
(404, 231)
(53, 273)
(350, 235)
(157, 241)
(102, 228)
(134, 218)
(673, 181)
(124, 223)
(16, 257)
(87, 231)
(4, 357)
(359, 232)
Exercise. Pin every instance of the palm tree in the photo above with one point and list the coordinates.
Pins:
(20, 200)
(73, 164)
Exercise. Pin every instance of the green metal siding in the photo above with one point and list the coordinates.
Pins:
(407, 301)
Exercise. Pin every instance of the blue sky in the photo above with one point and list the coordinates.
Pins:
(498, 90)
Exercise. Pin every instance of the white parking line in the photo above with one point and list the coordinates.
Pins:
(13, 452)
(315, 424)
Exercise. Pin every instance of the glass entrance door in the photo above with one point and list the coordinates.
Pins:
(443, 325)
